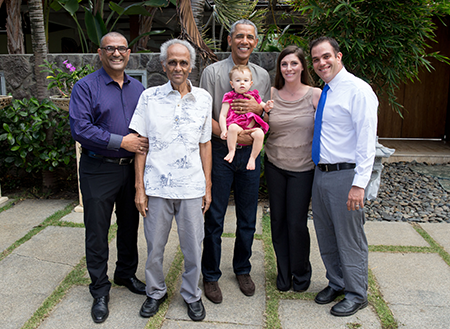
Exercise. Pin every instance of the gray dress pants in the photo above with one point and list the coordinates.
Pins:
(340, 233)
(157, 225)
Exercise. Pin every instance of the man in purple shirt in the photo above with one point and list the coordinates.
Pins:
(101, 107)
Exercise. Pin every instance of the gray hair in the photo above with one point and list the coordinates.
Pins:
(165, 46)
(113, 35)
(244, 22)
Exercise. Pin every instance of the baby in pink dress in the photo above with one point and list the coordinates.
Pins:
(232, 123)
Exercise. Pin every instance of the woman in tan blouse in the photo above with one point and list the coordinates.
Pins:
(289, 168)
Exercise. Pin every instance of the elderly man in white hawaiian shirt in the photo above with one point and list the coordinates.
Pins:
(174, 178)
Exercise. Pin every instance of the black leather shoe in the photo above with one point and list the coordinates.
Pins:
(196, 310)
(99, 311)
(346, 307)
(327, 295)
(133, 284)
(151, 306)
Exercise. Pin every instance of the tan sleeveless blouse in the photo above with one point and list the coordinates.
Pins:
(291, 133)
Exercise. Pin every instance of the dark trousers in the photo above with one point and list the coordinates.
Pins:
(289, 197)
(245, 185)
(103, 185)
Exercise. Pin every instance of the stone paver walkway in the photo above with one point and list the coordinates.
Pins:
(413, 279)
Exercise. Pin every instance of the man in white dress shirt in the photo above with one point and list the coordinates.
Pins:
(174, 178)
(347, 151)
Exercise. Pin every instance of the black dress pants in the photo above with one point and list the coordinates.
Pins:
(289, 197)
(102, 185)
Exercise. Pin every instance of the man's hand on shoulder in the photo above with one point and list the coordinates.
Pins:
(135, 143)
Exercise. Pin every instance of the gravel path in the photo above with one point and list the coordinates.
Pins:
(406, 194)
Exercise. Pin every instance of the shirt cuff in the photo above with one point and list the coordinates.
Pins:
(360, 181)
(114, 142)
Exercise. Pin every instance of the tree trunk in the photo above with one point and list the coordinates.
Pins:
(145, 25)
(39, 46)
(14, 27)
(40, 53)
(189, 30)
(198, 10)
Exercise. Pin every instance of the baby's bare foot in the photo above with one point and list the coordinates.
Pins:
(229, 157)
(251, 164)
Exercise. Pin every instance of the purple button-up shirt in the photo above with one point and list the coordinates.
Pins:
(100, 112)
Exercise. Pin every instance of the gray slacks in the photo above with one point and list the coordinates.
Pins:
(157, 225)
(340, 234)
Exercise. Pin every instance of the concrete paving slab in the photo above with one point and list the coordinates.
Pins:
(419, 317)
(3, 200)
(74, 311)
(306, 314)
(170, 324)
(440, 232)
(236, 308)
(169, 253)
(318, 278)
(64, 245)
(73, 217)
(20, 219)
(26, 281)
(230, 220)
(393, 234)
(77, 217)
(414, 284)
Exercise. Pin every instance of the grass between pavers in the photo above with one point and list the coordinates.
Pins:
(434, 245)
(52, 220)
(9, 204)
(171, 281)
(273, 296)
(76, 277)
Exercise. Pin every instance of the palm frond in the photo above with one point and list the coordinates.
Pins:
(229, 11)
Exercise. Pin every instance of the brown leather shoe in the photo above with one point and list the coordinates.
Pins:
(212, 291)
(246, 284)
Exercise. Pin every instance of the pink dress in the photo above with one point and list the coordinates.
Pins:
(243, 120)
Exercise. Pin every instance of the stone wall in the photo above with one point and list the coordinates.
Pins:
(20, 82)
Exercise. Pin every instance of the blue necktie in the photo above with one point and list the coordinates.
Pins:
(315, 153)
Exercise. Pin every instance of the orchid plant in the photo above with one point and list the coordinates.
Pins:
(64, 80)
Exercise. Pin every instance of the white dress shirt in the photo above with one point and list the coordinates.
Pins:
(349, 125)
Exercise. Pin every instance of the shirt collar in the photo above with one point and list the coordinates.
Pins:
(230, 59)
(167, 88)
(338, 78)
(109, 80)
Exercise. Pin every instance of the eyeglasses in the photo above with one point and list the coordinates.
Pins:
(112, 49)
(173, 63)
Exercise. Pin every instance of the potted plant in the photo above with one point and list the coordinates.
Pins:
(64, 80)
(5, 100)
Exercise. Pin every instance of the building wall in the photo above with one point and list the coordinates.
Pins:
(20, 82)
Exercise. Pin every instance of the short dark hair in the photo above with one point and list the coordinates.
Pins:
(330, 40)
(297, 51)
(113, 35)
(243, 22)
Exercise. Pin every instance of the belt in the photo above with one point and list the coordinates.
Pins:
(224, 142)
(335, 166)
(240, 146)
(120, 161)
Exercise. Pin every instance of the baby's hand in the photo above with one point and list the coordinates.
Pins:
(268, 106)
(223, 135)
